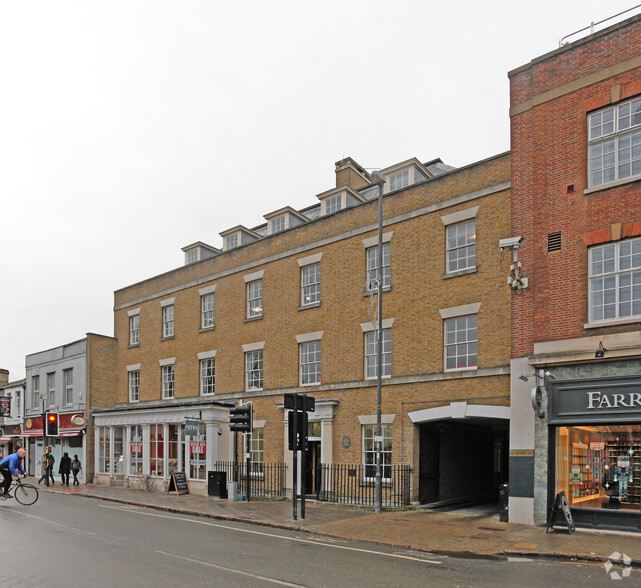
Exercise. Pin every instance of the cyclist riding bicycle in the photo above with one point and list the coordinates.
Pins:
(12, 464)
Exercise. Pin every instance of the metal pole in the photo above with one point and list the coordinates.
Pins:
(248, 466)
(294, 434)
(379, 179)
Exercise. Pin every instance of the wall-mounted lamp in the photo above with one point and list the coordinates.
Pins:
(600, 352)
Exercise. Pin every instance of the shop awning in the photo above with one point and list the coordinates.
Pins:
(6, 438)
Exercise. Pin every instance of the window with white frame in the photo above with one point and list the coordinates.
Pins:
(207, 310)
(615, 280)
(173, 444)
(231, 241)
(399, 180)
(461, 340)
(198, 454)
(310, 284)
(67, 381)
(256, 450)
(51, 388)
(168, 381)
(461, 246)
(371, 354)
(254, 370)
(134, 329)
(119, 450)
(278, 224)
(168, 320)
(18, 407)
(208, 376)
(135, 449)
(333, 203)
(310, 362)
(614, 136)
(373, 267)
(104, 447)
(156, 450)
(370, 450)
(193, 255)
(255, 298)
(134, 385)
(35, 391)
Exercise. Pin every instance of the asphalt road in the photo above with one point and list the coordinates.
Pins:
(70, 540)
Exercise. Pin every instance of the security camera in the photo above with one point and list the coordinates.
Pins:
(510, 243)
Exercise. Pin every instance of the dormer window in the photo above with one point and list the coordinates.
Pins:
(404, 174)
(333, 204)
(278, 224)
(283, 219)
(399, 180)
(338, 199)
(198, 251)
(231, 241)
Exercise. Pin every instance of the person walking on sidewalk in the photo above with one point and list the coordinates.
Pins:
(76, 466)
(64, 469)
(43, 469)
(50, 461)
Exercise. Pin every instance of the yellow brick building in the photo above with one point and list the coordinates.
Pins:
(287, 307)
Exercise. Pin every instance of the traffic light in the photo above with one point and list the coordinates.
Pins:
(240, 418)
(51, 419)
(299, 443)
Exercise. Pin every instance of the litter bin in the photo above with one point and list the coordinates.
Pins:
(504, 494)
(217, 484)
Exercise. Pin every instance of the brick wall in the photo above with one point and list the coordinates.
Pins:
(418, 291)
(550, 100)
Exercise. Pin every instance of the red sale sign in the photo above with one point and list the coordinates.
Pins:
(197, 447)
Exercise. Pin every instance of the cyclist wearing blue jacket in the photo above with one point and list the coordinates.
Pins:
(12, 464)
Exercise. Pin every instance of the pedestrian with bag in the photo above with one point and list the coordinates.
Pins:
(64, 469)
(50, 461)
(43, 468)
(76, 467)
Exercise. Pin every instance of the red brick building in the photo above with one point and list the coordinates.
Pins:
(576, 340)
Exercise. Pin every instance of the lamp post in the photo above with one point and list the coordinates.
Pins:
(379, 180)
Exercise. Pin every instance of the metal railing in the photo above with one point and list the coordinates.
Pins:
(267, 479)
(354, 484)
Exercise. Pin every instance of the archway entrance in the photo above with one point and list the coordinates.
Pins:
(463, 453)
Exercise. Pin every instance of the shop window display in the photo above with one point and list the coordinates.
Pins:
(600, 466)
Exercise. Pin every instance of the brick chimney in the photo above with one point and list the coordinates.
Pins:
(349, 173)
(4, 377)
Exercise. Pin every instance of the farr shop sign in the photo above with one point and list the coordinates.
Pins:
(596, 400)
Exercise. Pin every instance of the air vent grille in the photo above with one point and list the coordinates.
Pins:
(554, 241)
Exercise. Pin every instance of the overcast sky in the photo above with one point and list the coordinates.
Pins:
(129, 129)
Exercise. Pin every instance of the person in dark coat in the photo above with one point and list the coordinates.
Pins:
(50, 461)
(76, 466)
(65, 468)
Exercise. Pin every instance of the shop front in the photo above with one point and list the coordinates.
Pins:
(136, 447)
(595, 450)
(70, 439)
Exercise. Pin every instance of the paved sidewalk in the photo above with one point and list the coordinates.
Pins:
(461, 533)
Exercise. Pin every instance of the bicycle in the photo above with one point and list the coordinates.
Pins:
(25, 494)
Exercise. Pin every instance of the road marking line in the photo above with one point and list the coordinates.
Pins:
(272, 535)
(232, 570)
(24, 514)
